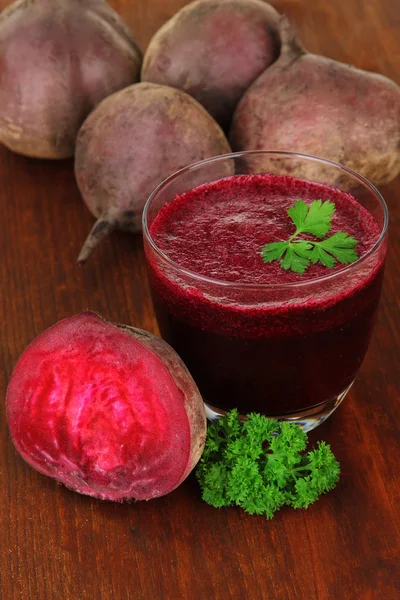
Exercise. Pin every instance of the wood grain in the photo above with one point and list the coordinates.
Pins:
(56, 544)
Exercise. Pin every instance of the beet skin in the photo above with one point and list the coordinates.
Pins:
(109, 411)
(58, 59)
(314, 105)
(131, 142)
(214, 50)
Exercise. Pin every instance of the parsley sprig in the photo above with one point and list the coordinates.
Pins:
(298, 254)
(259, 465)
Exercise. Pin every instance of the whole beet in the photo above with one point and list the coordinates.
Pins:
(59, 59)
(108, 410)
(311, 104)
(131, 142)
(213, 50)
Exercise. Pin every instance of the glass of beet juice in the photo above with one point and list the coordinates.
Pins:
(255, 336)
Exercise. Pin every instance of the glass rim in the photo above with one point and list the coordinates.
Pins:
(248, 286)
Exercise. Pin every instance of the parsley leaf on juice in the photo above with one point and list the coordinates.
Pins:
(298, 254)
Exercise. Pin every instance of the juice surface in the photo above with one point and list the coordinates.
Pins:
(218, 229)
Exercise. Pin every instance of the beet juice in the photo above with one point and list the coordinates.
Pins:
(255, 336)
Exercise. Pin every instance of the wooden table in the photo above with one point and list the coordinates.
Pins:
(55, 544)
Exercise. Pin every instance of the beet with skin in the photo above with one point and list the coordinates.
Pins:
(129, 144)
(314, 105)
(108, 410)
(59, 58)
(214, 50)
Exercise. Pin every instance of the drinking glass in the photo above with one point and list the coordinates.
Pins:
(290, 351)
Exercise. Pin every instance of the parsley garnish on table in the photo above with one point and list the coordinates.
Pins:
(298, 254)
(260, 465)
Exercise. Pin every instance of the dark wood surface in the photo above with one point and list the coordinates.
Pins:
(55, 544)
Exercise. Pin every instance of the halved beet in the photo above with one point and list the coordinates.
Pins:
(108, 410)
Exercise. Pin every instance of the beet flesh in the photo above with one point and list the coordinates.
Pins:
(129, 144)
(109, 411)
(214, 50)
(59, 59)
(313, 105)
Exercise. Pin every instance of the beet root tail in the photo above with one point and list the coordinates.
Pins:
(100, 230)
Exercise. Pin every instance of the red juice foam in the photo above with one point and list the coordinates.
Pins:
(253, 335)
